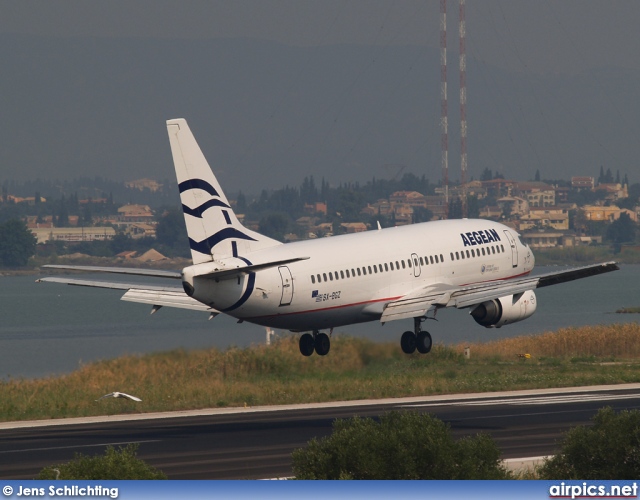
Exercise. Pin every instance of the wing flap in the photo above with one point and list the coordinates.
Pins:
(176, 298)
(418, 302)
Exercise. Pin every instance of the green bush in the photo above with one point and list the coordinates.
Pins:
(402, 445)
(608, 450)
(114, 464)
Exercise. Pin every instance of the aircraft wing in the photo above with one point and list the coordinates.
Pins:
(418, 302)
(156, 296)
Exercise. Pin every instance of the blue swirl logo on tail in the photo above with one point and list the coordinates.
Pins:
(198, 211)
(197, 184)
(207, 244)
(204, 186)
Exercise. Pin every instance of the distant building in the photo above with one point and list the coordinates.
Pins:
(354, 227)
(135, 213)
(562, 195)
(601, 213)
(141, 230)
(473, 188)
(29, 200)
(307, 221)
(553, 217)
(498, 187)
(380, 207)
(437, 205)
(538, 194)
(73, 234)
(403, 215)
(553, 239)
(517, 205)
(411, 198)
(581, 183)
(319, 207)
(614, 192)
(142, 184)
(490, 212)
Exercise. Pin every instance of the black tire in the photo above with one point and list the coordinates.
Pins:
(323, 344)
(424, 342)
(408, 342)
(307, 344)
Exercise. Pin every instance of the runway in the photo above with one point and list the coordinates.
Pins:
(257, 443)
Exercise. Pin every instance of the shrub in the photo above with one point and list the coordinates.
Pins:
(608, 450)
(402, 445)
(114, 464)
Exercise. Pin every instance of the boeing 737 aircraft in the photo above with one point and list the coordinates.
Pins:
(381, 275)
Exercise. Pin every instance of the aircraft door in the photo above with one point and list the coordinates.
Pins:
(287, 286)
(514, 248)
(415, 260)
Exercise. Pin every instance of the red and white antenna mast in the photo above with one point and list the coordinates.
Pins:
(443, 103)
(463, 107)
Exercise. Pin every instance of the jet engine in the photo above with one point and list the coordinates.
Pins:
(497, 312)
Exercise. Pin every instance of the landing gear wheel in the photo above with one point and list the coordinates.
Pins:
(424, 342)
(408, 342)
(322, 344)
(307, 344)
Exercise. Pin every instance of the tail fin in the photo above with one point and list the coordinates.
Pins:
(213, 228)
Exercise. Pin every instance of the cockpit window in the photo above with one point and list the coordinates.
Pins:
(524, 243)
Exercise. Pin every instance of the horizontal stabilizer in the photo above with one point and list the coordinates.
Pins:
(169, 296)
(225, 274)
(155, 273)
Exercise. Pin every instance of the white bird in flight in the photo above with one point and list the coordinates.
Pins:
(119, 395)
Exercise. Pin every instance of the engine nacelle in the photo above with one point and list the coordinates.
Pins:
(509, 309)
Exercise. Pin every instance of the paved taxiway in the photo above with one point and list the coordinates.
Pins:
(257, 442)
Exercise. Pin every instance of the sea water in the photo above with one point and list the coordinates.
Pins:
(48, 329)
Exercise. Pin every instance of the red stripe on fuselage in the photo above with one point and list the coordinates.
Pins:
(326, 308)
(367, 301)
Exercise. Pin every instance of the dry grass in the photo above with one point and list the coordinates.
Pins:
(601, 341)
(355, 369)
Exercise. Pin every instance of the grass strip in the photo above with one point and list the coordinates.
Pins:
(354, 369)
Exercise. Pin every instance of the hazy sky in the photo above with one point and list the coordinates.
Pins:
(87, 84)
(534, 35)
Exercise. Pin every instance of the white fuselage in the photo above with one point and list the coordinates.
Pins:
(350, 278)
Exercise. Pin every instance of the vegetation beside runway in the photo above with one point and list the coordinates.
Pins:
(629, 310)
(354, 369)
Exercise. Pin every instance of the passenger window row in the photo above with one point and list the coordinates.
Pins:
(375, 268)
(391, 266)
(475, 252)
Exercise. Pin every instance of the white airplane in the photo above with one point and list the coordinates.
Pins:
(381, 275)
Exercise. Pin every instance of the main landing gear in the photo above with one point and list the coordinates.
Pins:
(318, 342)
(420, 340)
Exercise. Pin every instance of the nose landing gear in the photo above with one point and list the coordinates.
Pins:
(419, 340)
